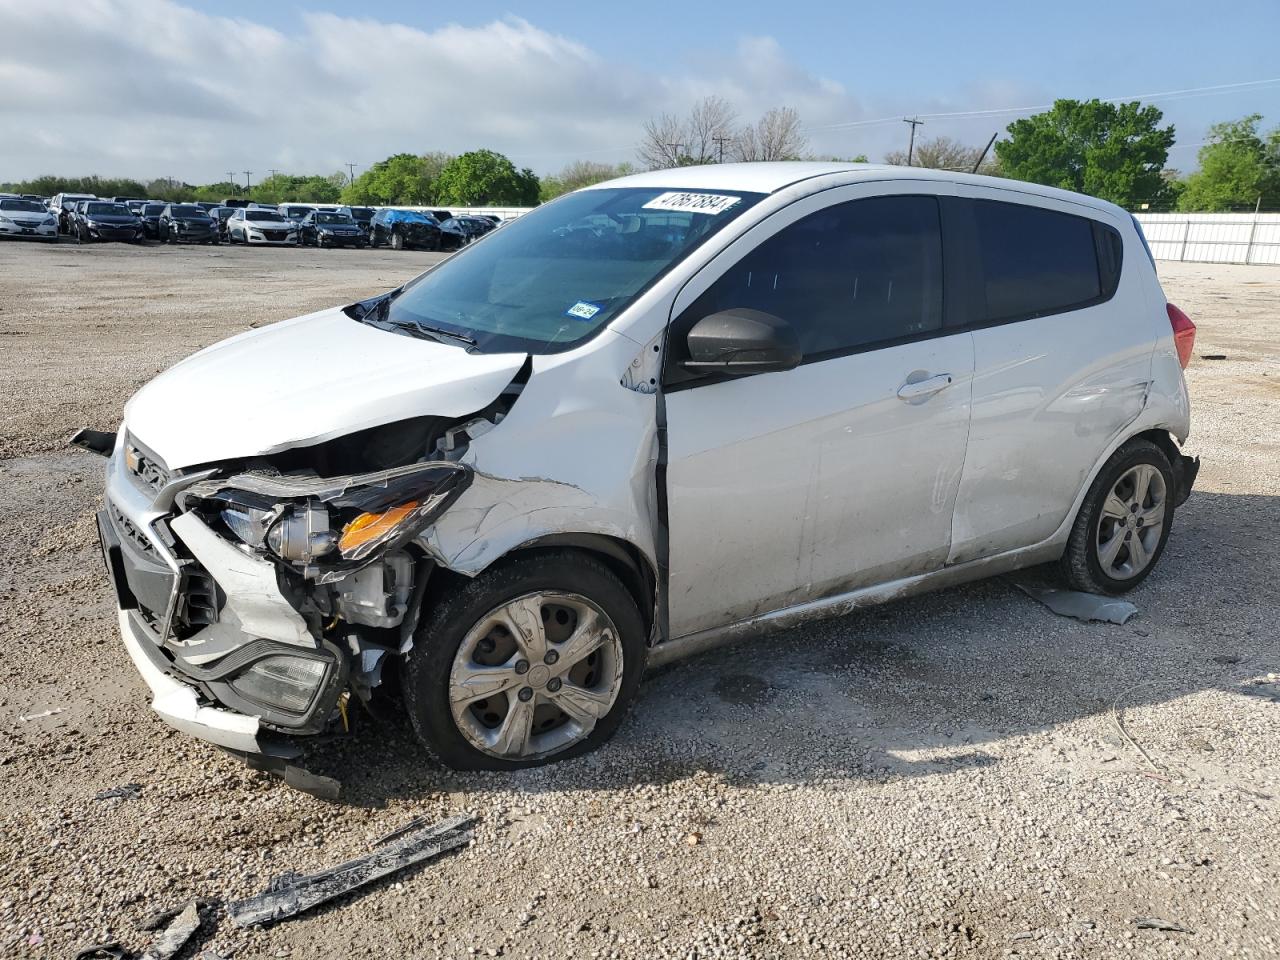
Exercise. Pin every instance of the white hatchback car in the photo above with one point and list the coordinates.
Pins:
(651, 416)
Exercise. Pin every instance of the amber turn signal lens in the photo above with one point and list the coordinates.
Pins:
(371, 526)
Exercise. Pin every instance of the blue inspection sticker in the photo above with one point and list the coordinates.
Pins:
(584, 310)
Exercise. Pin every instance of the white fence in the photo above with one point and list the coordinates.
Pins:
(1213, 237)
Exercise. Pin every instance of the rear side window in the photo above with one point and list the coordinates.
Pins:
(1036, 261)
(845, 278)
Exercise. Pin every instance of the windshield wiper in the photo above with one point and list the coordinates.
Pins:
(437, 332)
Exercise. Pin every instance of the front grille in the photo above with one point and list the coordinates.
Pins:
(127, 529)
(274, 234)
(145, 467)
(28, 223)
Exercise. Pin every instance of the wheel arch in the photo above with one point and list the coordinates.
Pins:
(623, 559)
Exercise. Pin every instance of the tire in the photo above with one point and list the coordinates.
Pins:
(373, 239)
(397, 240)
(1085, 564)
(538, 581)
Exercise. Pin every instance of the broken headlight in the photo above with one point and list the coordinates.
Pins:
(327, 527)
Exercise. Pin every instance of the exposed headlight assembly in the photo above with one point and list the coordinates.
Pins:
(324, 528)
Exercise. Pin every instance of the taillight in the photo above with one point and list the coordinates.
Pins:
(1184, 334)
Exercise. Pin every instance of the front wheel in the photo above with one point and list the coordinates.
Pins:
(534, 660)
(397, 240)
(1124, 521)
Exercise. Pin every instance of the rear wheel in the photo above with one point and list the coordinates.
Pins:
(533, 661)
(1124, 522)
(397, 240)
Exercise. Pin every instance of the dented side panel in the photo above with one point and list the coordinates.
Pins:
(575, 454)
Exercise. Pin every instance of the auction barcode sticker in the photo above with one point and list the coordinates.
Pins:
(712, 203)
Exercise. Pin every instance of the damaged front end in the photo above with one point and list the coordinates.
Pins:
(258, 596)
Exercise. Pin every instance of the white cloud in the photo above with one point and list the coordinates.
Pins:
(152, 88)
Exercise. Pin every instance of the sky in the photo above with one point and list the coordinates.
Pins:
(150, 88)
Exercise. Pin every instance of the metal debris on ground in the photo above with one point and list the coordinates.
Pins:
(175, 936)
(104, 951)
(43, 713)
(386, 838)
(1081, 606)
(1155, 923)
(158, 918)
(126, 791)
(292, 894)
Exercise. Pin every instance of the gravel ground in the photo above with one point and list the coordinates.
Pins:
(940, 777)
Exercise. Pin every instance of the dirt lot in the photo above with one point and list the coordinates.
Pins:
(940, 777)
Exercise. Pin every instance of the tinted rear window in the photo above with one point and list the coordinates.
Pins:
(1035, 261)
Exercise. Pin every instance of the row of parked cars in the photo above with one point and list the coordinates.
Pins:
(132, 219)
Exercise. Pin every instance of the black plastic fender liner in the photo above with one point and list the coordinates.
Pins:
(1187, 469)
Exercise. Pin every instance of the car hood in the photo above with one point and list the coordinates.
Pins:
(269, 224)
(304, 381)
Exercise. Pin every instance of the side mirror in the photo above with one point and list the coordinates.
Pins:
(738, 342)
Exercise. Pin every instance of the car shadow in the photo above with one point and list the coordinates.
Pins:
(921, 687)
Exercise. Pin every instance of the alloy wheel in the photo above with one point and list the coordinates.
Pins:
(1132, 522)
(535, 675)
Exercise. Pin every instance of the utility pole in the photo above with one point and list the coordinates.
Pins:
(351, 171)
(246, 173)
(720, 142)
(231, 177)
(675, 152)
(273, 171)
(911, 144)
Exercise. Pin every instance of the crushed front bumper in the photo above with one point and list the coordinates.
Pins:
(178, 705)
(197, 616)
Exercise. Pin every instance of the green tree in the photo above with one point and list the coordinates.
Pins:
(1107, 150)
(169, 189)
(284, 187)
(215, 192)
(403, 178)
(483, 177)
(1237, 167)
(579, 174)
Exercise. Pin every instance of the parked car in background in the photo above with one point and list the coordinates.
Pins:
(26, 218)
(206, 205)
(253, 226)
(866, 383)
(400, 229)
(322, 228)
(459, 231)
(440, 216)
(187, 223)
(107, 220)
(220, 214)
(135, 206)
(60, 207)
(295, 211)
(361, 215)
(36, 199)
(150, 217)
(235, 202)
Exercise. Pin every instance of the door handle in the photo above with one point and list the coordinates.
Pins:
(923, 389)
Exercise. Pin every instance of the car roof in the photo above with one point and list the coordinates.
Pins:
(772, 176)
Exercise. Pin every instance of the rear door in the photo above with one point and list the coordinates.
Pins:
(790, 486)
(1062, 362)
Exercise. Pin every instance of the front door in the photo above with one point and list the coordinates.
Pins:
(842, 473)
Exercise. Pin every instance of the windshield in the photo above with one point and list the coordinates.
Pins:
(153, 209)
(297, 211)
(270, 215)
(333, 218)
(21, 206)
(362, 213)
(117, 209)
(188, 212)
(560, 273)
